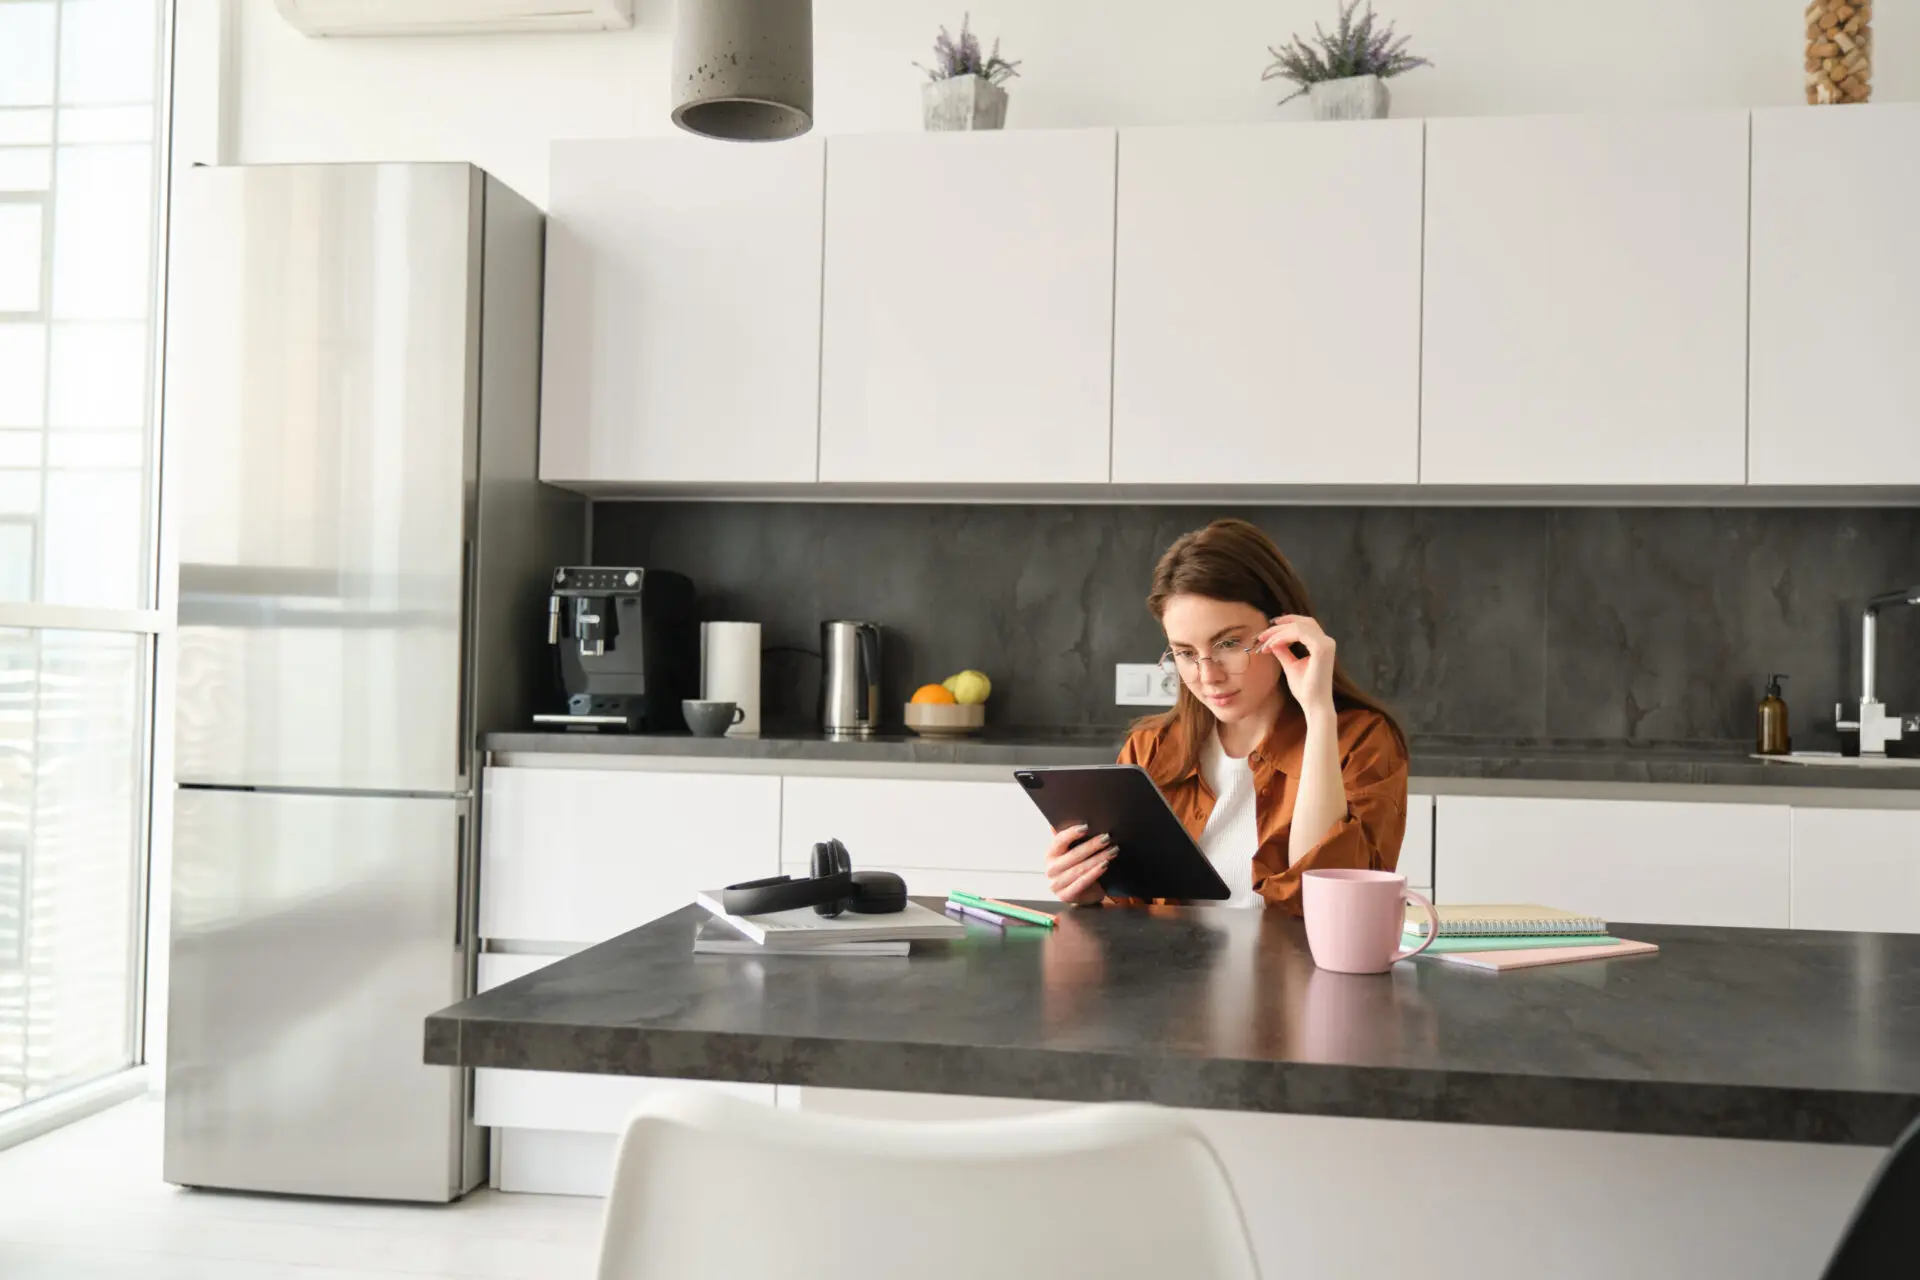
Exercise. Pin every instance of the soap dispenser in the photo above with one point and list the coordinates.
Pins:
(1773, 737)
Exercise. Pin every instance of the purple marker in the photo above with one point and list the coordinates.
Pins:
(975, 913)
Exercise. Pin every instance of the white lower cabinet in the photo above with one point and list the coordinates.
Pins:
(984, 837)
(941, 881)
(553, 1162)
(1639, 861)
(554, 1132)
(1416, 847)
(886, 1104)
(913, 826)
(1856, 869)
(582, 855)
(565, 1101)
(573, 857)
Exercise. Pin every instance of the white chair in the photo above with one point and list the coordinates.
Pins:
(710, 1185)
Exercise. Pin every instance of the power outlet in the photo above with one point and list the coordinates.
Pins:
(1142, 684)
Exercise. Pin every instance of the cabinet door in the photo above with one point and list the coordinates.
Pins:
(1416, 847)
(938, 882)
(582, 855)
(1856, 869)
(967, 327)
(1267, 305)
(1836, 296)
(564, 1100)
(984, 837)
(1585, 303)
(907, 823)
(682, 337)
(1636, 861)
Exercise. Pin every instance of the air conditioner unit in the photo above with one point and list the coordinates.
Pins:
(453, 17)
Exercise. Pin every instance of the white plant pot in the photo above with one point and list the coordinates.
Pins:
(963, 102)
(1351, 98)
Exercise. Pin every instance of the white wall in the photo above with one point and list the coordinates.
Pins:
(498, 100)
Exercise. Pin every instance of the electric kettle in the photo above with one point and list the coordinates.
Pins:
(850, 678)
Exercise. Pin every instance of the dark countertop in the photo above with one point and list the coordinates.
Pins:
(1789, 1036)
(1712, 764)
(998, 747)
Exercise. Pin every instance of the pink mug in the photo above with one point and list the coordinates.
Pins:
(1355, 919)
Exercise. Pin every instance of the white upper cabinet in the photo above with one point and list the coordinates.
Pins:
(1836, 296)
(1267, 305)
(682, 339)
(1585, 300)
(967, 324)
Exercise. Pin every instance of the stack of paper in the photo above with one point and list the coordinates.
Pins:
(805, 931)
(1524, 936)
(715, 937)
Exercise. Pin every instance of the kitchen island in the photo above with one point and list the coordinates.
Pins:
(1728, 1033)
(1726, 1096)
(585, 838)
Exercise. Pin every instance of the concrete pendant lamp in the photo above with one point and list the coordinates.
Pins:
(743, 69)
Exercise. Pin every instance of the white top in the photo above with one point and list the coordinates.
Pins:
(1232, 835)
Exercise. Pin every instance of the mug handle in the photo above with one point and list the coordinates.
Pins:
(1433, 928)
(739, 714)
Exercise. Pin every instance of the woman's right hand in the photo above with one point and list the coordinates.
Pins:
(1075, 864)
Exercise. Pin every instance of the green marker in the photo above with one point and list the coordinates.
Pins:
(1026, 914)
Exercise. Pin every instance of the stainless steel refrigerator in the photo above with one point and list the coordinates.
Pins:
(351, 408)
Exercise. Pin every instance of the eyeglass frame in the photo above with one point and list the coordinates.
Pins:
(1198, 660)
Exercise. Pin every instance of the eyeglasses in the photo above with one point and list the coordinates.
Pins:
(1230, 656)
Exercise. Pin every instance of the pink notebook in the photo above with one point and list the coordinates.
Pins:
(1501, 960)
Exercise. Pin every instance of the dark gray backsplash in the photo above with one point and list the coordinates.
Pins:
(1646, 624)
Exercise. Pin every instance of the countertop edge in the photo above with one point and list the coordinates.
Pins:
(1668, 1108)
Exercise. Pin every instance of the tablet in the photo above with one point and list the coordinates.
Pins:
(1157, 858)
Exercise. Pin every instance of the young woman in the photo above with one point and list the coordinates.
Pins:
(1272, 757)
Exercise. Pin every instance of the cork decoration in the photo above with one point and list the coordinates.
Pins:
(1839, 51)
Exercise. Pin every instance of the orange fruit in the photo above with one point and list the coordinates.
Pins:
(933, 693)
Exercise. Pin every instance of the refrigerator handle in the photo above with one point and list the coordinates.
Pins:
(463, 759)
(462, 910)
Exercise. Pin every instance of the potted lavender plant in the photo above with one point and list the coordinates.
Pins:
(963, 89)
(1344, 74)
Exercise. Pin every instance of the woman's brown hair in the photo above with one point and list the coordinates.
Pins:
(1234, 561)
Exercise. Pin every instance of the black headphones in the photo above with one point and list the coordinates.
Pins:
(833, 887)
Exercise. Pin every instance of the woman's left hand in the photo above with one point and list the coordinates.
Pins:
(1309, 679)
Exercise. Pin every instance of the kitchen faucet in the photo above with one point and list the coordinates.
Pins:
(1877, 727)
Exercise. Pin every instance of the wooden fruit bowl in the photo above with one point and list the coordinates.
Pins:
(936, 719)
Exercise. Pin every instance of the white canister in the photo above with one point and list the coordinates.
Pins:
(730, 670)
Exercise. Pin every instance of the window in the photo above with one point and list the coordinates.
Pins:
(81, 143)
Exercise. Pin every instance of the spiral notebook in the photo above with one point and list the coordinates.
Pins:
(1502, 919)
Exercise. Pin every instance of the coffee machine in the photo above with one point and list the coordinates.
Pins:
(627, 648)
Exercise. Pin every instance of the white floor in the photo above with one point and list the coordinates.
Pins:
(86, 1202)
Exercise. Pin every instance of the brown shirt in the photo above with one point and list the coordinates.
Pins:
(1372, 764)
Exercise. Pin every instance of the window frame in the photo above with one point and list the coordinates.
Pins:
(153, 623)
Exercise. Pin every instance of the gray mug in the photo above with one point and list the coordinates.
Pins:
(711, 719)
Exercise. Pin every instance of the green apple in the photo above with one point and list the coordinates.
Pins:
(969, 687)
